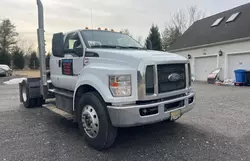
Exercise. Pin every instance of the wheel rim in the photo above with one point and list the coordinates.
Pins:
(24, 93)
(90, 121)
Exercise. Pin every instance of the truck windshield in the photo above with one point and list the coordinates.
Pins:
(108, 39)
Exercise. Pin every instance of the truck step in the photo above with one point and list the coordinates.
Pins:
(50, 85)
(60, 112)
(62, 92)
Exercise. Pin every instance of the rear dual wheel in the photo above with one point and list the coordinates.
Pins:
(94, 122)
(27, 101)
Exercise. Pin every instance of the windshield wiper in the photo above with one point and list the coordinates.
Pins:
(105, 46)
(117, 47)
(134, 47)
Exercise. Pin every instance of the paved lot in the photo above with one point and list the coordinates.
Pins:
(217, 129)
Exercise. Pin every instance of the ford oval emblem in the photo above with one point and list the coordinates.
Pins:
(174, 77)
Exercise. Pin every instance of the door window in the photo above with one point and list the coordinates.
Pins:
(73, 45)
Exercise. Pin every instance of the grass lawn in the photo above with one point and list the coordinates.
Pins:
(27, 73)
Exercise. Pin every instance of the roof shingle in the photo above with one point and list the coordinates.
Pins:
(201, 32)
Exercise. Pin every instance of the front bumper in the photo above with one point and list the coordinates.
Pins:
(128, 116)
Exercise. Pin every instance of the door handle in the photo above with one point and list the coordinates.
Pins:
(59, 63)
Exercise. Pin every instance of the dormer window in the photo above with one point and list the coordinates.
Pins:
(233, 17)
(217, 22)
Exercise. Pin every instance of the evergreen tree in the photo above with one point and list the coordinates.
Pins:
(8, 35)
(169, 36)
(34, 61)
(155, 38)
(5, 58)
(18, 58)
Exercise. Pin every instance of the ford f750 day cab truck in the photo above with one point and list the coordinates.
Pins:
(105, 80)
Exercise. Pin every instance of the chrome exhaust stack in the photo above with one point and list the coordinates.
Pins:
(41, 47)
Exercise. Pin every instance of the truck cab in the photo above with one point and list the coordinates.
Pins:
(107, 80)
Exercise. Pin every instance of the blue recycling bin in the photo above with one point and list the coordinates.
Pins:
(240, 75)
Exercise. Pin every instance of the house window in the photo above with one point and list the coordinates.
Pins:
(217, 22)
(233, 17)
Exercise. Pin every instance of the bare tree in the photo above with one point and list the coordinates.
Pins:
(126, 31)
(194, 14)
(139, 39)
(26, 45)
(184, 18)
(180, 22)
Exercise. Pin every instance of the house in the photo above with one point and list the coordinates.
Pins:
(219, 41)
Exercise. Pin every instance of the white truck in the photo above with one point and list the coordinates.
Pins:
(105, 80)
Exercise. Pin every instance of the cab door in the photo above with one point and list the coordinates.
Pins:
(56, 58)
(72, 62)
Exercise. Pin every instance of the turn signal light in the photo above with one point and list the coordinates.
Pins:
(120, 86)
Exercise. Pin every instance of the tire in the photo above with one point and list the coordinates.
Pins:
(40, 101)
(106, 132)
(27, 102)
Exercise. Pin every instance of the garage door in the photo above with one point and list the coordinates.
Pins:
(204, 66)
(239, 61)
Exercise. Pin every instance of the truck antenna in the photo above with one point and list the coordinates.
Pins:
(91, 18)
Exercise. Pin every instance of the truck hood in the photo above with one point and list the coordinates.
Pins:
(133, 57)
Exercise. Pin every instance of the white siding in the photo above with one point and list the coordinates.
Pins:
(213, 50)
(239, 61)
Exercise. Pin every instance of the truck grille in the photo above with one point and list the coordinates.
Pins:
(168, 84)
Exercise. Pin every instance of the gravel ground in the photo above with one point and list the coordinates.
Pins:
(217, 129)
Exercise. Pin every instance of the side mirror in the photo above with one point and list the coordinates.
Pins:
(58, 45)
(149, 44)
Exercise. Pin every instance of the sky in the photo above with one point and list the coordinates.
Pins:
(68, 15)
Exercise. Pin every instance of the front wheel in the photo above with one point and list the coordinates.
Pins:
(94, 122)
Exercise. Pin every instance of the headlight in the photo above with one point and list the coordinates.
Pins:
(120, 86)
